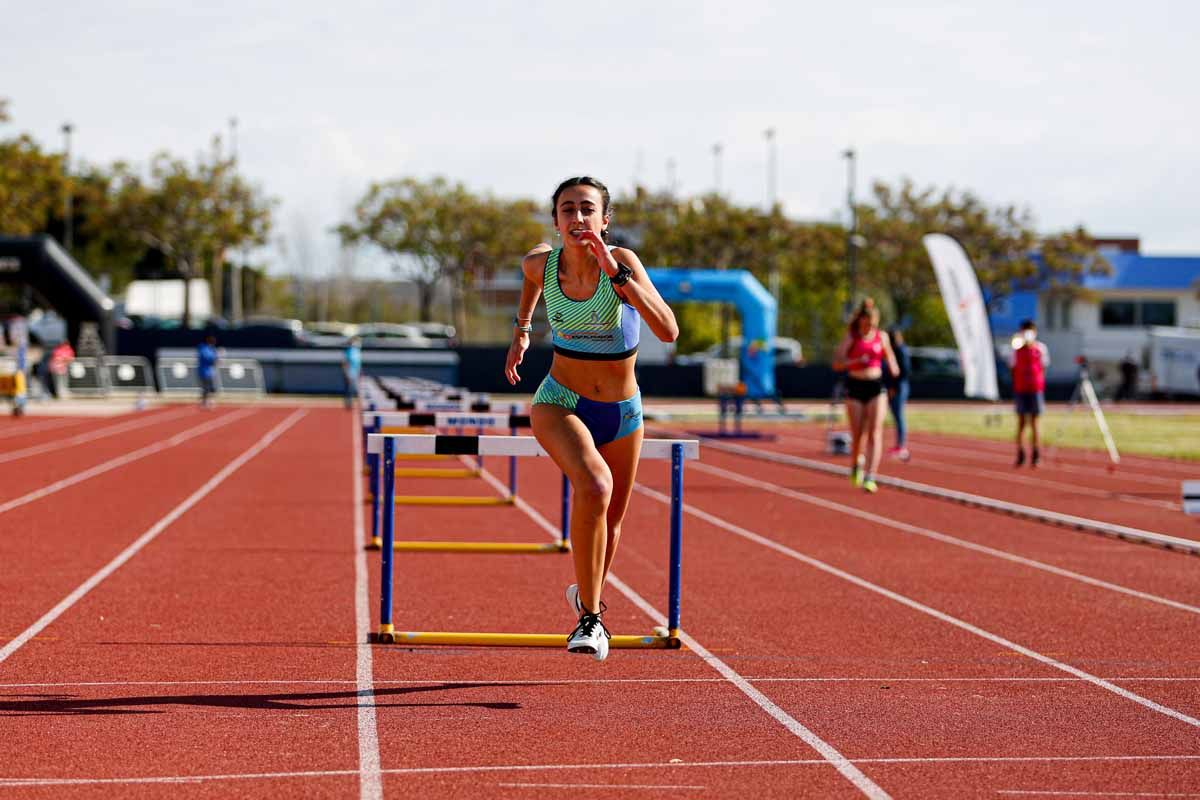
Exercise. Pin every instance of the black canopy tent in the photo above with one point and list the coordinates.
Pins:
(40, 263)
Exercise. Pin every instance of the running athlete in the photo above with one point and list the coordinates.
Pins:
(861, 355)
(587, 413)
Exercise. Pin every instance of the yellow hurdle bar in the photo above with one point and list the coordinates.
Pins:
(451, 500)
(474, 547)
(437, 472)
(651, 641)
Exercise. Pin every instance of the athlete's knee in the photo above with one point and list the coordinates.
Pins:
(594, 487)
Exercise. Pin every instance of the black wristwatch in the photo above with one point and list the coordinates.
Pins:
(623, 275)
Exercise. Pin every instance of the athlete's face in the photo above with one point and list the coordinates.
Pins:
(579, 209)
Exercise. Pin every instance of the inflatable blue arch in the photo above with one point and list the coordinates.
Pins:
(754, 304)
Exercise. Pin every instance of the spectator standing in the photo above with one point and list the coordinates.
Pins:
(1028, 361)
(206, 368)
(1127, 390)
(898, 390)
(351, 368)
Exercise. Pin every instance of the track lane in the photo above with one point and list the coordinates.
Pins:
(285, 610)
(858, 628)
(1147, 513)
(52, 544)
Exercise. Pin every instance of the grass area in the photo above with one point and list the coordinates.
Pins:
(1146, 433)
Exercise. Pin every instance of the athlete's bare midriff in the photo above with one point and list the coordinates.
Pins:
(604, 381)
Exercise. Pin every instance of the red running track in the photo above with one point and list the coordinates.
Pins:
(1138, 497)
(224, 649)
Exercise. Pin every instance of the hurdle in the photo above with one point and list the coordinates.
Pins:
(375, 424)
(394, 422)
(388, 446)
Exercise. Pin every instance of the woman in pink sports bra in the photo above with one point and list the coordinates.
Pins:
(862, 356)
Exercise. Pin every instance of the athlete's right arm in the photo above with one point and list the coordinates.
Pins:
(532, 267)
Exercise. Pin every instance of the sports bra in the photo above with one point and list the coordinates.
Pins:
(601, 328)
(861, 346)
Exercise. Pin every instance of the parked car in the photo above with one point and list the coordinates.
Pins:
(390, 334)
(439, 332)
(329, 334)
(787, 351)
(935, 362)
(266, 332)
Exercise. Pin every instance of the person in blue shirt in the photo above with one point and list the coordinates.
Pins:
(351, 368)
(206, 368)
(898, 394)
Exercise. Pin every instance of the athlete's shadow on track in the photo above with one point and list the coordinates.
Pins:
(59, 705)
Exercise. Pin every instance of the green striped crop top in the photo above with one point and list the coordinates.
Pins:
(601, 328)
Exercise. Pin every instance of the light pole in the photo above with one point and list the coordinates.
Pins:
(772, 182)
(851, 231)
(717, 150)
(68, 193)
(235, 269)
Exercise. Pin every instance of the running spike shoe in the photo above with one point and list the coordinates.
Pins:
(870, 486)
(856, 476)
(573, 600)
(590, 636)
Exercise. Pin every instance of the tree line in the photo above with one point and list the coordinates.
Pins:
(188, 217)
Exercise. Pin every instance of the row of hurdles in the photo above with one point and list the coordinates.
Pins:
(393, 439)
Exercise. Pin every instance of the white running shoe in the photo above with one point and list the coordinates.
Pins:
(590, 636)
(573, 600)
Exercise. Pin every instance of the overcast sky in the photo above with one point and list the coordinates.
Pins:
(1087, 112)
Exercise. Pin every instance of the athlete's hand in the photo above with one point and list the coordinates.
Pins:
(600, 251)
(516, 354)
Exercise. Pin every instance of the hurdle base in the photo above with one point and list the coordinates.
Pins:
(437, 472)
(527, 548)
(651, 641)
(755, 435)
(453, 500)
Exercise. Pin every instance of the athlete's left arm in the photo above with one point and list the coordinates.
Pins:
(893, 364)
(640, 293)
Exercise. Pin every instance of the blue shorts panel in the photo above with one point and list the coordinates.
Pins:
(1029, 403)
(607, 422)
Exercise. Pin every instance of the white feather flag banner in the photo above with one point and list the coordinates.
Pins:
(968, 314)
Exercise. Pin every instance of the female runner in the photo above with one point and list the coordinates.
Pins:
(861, 355)
(587, 413)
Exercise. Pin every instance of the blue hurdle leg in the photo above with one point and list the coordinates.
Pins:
(676, 538)
(512, 469)
(389, 534)
(479, 458)
(373, 460)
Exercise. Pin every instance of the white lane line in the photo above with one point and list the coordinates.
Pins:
(24, 429)
(842, 764)
(370, 779)
(456, 682)
(940, 537)
(599, 786)
(862, 583)
(1122, 474)
(12, 782)
(101, 433)
(120, 461)
(1061, 793)
(147, 537)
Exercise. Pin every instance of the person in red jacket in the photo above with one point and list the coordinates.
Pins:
(1029, 360)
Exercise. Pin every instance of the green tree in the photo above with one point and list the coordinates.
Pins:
(437, 232)
(31, 186)
(190, 214)
(1001, 242)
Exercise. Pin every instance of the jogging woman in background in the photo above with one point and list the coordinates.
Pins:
(587, 413)
(862, 354)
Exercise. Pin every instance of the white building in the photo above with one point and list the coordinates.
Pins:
(1114, 316)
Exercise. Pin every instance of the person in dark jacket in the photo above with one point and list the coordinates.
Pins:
(897, 388)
